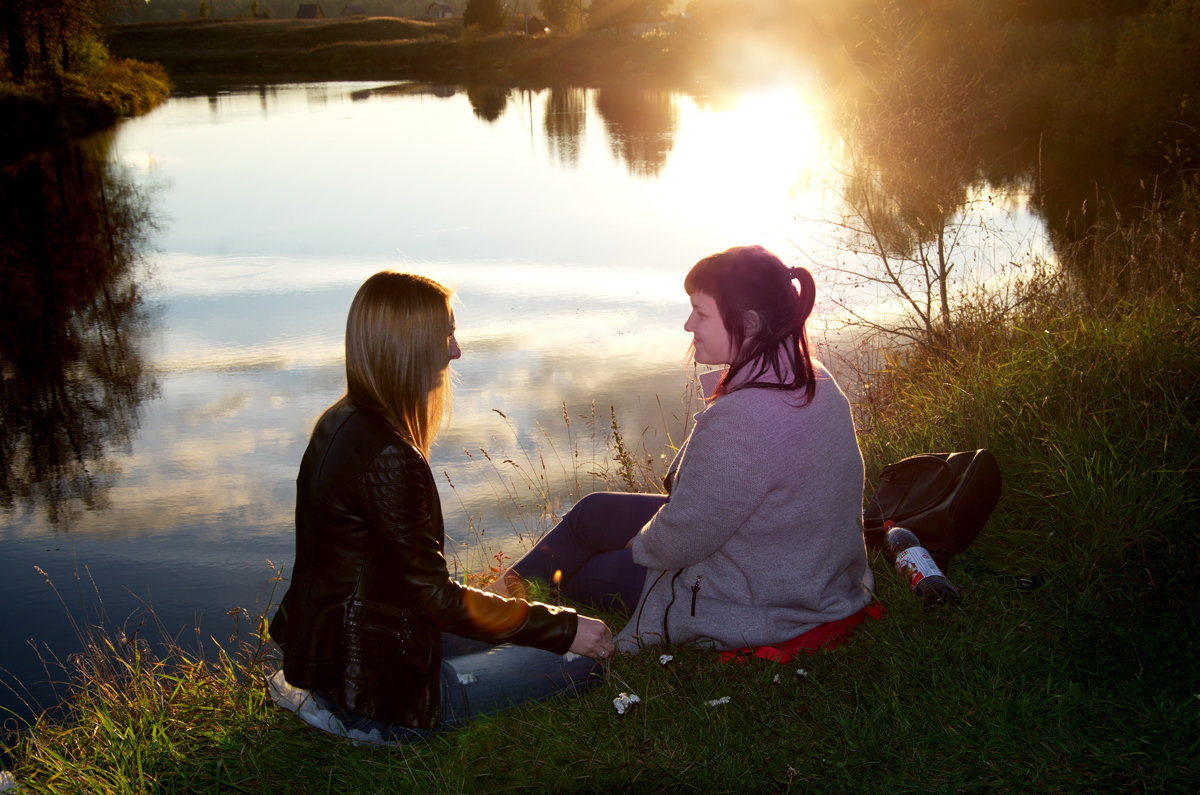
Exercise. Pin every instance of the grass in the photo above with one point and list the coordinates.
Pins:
(535, 486)
(1070, 666)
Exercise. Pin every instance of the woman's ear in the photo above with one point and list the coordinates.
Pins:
(752, 322)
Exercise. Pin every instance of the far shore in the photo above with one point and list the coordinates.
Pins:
(152, 60)
(210, 53)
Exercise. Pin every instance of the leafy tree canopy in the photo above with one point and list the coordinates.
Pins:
(487, 15)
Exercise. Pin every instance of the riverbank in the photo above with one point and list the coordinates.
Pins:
(238, 52)
(1069, 666)
(40, 113)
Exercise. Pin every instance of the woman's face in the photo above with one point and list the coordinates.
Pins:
(709, 337)
(455, 351)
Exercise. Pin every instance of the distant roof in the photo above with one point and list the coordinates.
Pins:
(310, 11)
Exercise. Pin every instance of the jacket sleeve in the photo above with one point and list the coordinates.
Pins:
(714, 491)
(402, 500)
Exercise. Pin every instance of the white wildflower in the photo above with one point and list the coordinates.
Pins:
(625, 701)
(776, 679)
(716, 702)
(800, 672)
(467, 679)
(664, 659)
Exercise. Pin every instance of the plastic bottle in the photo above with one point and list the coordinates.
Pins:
(916, 565)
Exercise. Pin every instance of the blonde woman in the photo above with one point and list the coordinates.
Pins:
(372, 624)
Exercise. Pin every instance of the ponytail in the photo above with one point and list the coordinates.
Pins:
(776, 355)
(808, 294)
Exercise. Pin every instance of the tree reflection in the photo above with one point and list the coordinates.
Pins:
(72, 229)
(641, 126)
(566, 117)
(919, 162)
(488, 102)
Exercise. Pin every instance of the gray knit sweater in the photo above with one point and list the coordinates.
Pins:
(762, 538)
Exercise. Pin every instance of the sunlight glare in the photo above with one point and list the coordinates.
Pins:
(744, 171)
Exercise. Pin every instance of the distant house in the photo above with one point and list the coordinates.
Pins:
(439, 11)
(353, 11)
(310, 11)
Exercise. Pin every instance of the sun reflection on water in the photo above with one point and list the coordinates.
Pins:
(746, 168)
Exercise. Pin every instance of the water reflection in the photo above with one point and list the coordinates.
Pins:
(927, 190)
(72, 322)
(565, 121)
(568, 264)
(439, 90)
(641, 126)
(918, 136)
(488, 101)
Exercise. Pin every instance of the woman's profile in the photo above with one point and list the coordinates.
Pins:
(372, 626)
(758, 541)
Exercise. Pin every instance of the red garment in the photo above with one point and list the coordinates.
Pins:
(826, 636)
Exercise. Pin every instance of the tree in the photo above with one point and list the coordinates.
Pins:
(622, 14)
(13, 28)
(916, 206)
(43, 33)
(562, 14)
(487, 15)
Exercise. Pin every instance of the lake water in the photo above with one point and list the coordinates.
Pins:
(565, 219)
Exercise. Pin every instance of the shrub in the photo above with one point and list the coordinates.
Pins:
(87, 54)
(487, 15)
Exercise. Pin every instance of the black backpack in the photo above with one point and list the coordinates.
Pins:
(945, 498)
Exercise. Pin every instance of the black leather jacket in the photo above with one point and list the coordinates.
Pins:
(370, 593)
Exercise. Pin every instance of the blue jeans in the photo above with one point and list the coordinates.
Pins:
(588, 548)
(480, 678)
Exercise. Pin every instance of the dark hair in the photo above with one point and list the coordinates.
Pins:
(748, 279)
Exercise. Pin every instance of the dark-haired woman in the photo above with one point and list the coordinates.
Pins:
(758, 541)
(383, 644)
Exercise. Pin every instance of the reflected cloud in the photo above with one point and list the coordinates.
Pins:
(514, 461)
(221, 464)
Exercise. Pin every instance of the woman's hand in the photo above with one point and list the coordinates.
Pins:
(593, 638)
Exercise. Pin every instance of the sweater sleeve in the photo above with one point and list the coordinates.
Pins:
(714, 491)
(409, 536)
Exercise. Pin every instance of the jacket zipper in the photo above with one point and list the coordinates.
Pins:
(695, 592)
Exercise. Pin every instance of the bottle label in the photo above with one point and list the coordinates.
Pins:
(916, 564)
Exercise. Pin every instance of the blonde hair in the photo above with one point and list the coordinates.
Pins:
(398, 352)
